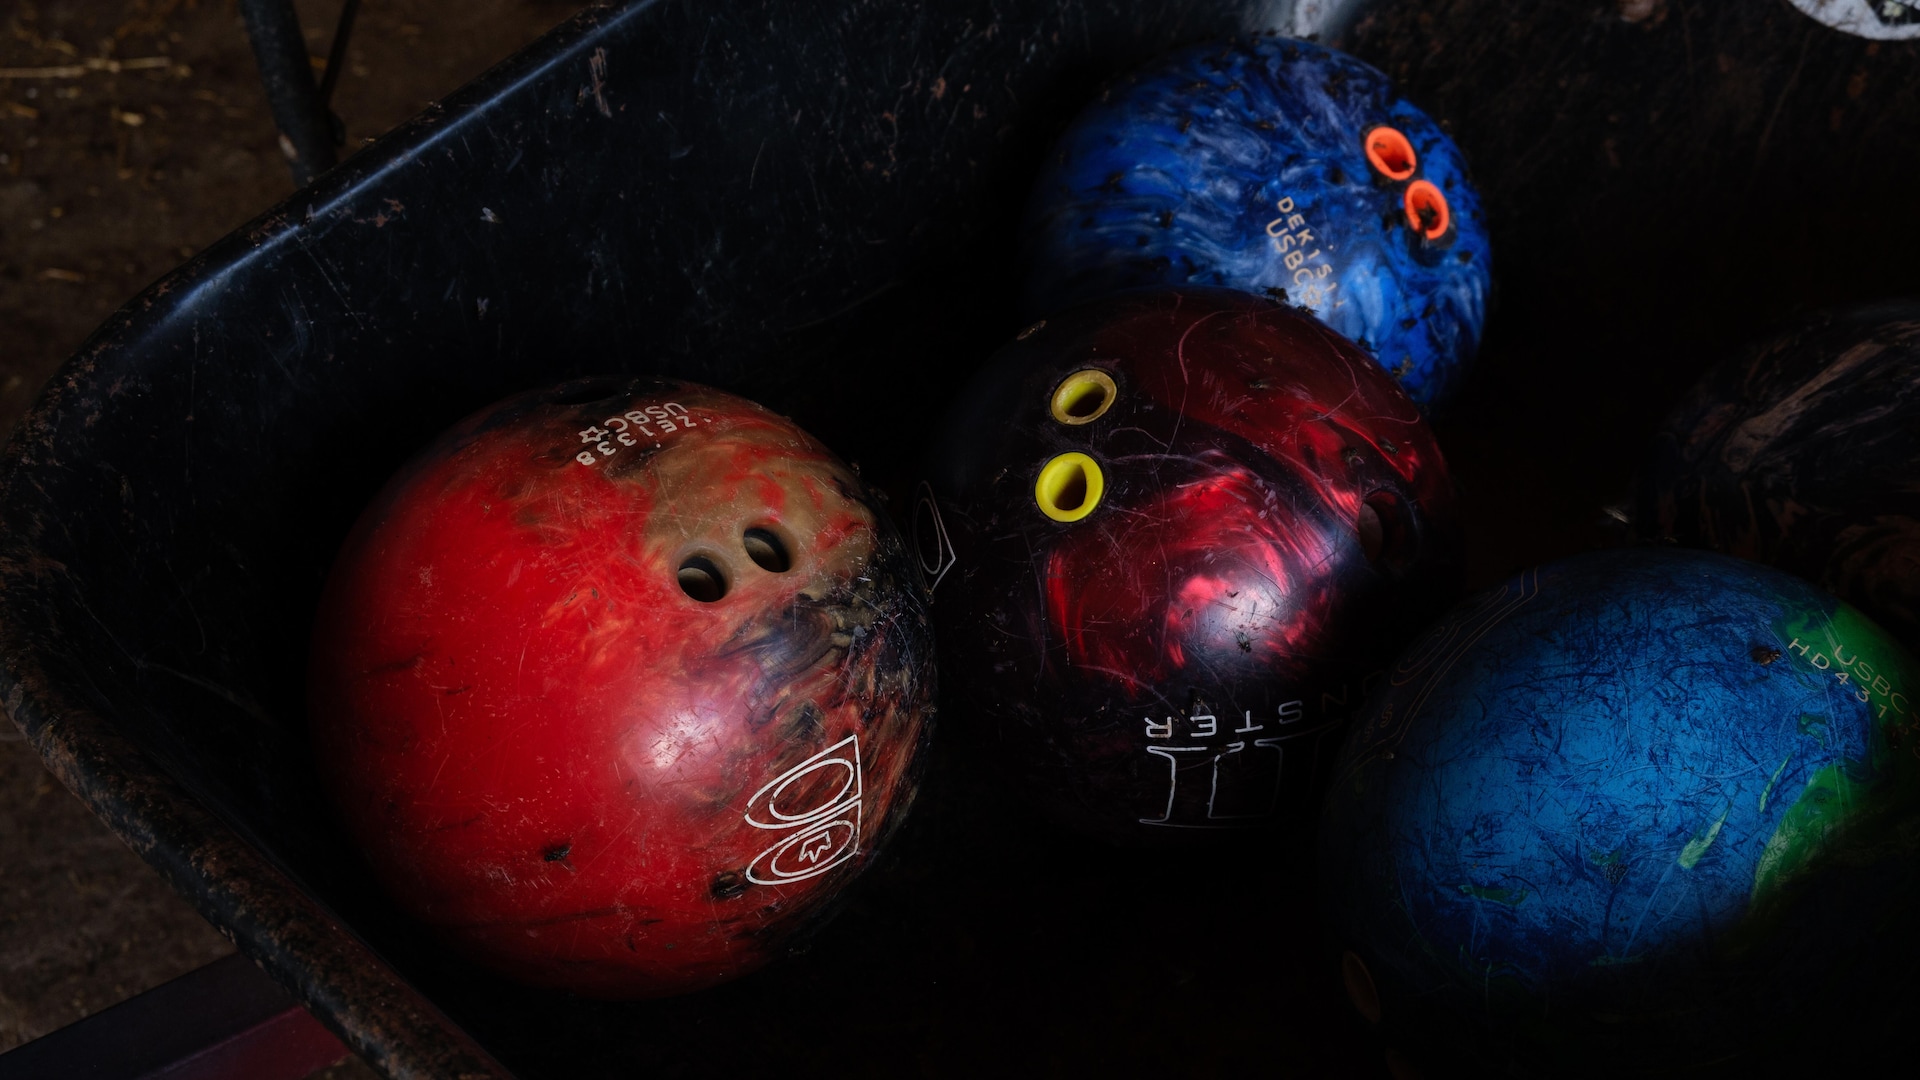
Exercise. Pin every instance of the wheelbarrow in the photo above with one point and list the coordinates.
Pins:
(816, 205)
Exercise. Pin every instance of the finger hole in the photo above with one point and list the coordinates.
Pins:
(702, 579)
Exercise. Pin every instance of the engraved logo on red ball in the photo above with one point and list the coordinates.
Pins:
(817, 804)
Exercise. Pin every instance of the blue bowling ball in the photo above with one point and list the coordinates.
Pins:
(1278, 167)
(1639, 811)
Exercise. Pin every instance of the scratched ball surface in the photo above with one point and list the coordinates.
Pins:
(1640, 810)
(1274, 166)
(618, 683)
(1187, 523)
(1804, 453)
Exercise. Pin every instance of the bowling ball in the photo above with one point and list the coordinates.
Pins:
(1279, 167)
(1641, 810)
(617, 684)
(1804, 453)
(1186, 523)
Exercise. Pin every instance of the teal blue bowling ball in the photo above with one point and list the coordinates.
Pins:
(1640, 812)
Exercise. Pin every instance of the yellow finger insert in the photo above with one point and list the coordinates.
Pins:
(1069, 487)
(1082, 397)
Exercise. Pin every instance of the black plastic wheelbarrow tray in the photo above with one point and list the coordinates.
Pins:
(809, 203)
(816, 204)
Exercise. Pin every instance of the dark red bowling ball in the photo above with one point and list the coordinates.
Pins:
(1186, 525)
(617, 684)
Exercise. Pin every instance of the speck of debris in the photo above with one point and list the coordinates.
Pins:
(557, 852)
(728, 884)
(1031, 330)
(489, 216)
(1764, 654)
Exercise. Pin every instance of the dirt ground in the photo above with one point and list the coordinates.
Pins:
(133, 133)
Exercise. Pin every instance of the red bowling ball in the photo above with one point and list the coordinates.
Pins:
(617, 684)
(1186, 526)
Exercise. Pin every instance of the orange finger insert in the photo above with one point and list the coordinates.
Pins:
(1427, 210)
(1389, 152)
